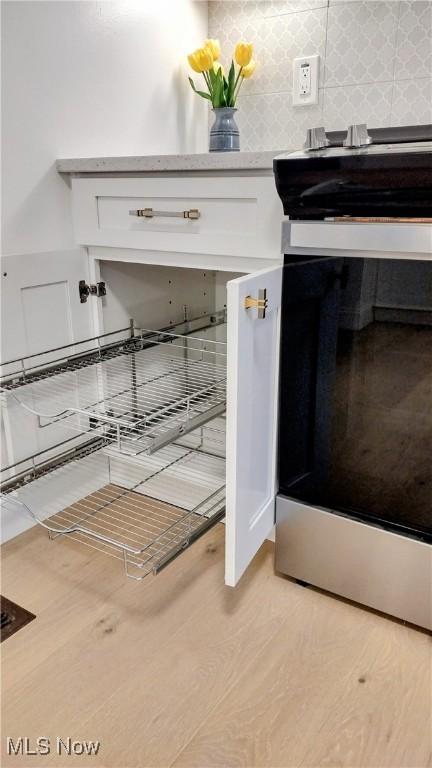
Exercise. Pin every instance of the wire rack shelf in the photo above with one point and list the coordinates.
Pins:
(138, 394)
(142, 510)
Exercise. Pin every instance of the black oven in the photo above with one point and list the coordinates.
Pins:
(356, 389)
(354, 508)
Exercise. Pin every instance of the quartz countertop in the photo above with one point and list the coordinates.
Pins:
(207, 161)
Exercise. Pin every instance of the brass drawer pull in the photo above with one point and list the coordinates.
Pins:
(150, 213)
(260, 304)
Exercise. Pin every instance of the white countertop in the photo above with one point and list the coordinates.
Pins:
(208, 161)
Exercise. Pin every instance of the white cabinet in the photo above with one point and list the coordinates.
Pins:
(41, 310)
(252, 388)
(237, 219)
(156, 401)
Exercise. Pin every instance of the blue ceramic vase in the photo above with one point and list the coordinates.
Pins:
(224, 133)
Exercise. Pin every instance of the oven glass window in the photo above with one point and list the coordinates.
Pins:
(356, 389)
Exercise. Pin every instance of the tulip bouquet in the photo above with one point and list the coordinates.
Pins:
(222, 90)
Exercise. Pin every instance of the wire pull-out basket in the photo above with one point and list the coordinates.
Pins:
(143, 510)
(145, 475)
(139, 393)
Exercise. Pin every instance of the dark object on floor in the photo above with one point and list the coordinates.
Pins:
(12, 618)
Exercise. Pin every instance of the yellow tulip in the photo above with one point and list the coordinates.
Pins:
(201, 60)
(214, 48)
(243, 53)
(193, 63)
(249, 69)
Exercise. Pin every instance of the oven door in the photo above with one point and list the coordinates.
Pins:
(355, 424)
(310, 313)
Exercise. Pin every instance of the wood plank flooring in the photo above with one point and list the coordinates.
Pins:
(180, 670)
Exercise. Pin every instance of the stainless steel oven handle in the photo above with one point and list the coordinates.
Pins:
(150, 213)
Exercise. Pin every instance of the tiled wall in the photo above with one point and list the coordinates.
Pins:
(376, 63)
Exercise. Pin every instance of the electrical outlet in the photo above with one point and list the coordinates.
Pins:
(305, 81)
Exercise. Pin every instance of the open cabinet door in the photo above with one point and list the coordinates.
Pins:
(252, 404)
(41, 310)
(41, 307)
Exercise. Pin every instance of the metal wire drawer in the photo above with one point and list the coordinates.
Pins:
(139, 393)
(142, 510)
(144, 473)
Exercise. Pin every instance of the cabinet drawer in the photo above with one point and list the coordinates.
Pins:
(238, 216)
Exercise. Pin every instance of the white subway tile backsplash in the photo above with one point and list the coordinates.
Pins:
(414, 41)
(278, 40)
(284, 39)
(339, 2)
(224, 12)
(269, 121)
(376, 63)
(361, 39)
(279, 7)
(351, 104)
(412, 102)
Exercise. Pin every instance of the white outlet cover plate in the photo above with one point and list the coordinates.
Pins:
(299, 98)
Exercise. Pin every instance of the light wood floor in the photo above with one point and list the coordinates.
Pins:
(182, 671)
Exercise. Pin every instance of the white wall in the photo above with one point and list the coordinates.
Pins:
(84, 79)
(376, 64)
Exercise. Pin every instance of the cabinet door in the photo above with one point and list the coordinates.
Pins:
(252, 387)
(41, 309)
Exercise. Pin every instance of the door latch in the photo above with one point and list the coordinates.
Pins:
(260, 304)
(90, 290)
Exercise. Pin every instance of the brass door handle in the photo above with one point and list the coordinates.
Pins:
(150, 213)
(260, 304)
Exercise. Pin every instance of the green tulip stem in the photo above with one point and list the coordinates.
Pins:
(238, 89)
(207, 80)
(237, 79)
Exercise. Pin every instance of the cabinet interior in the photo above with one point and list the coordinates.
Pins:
(158, 296)
(141, 472)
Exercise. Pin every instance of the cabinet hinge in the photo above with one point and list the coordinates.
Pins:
(90, 290)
